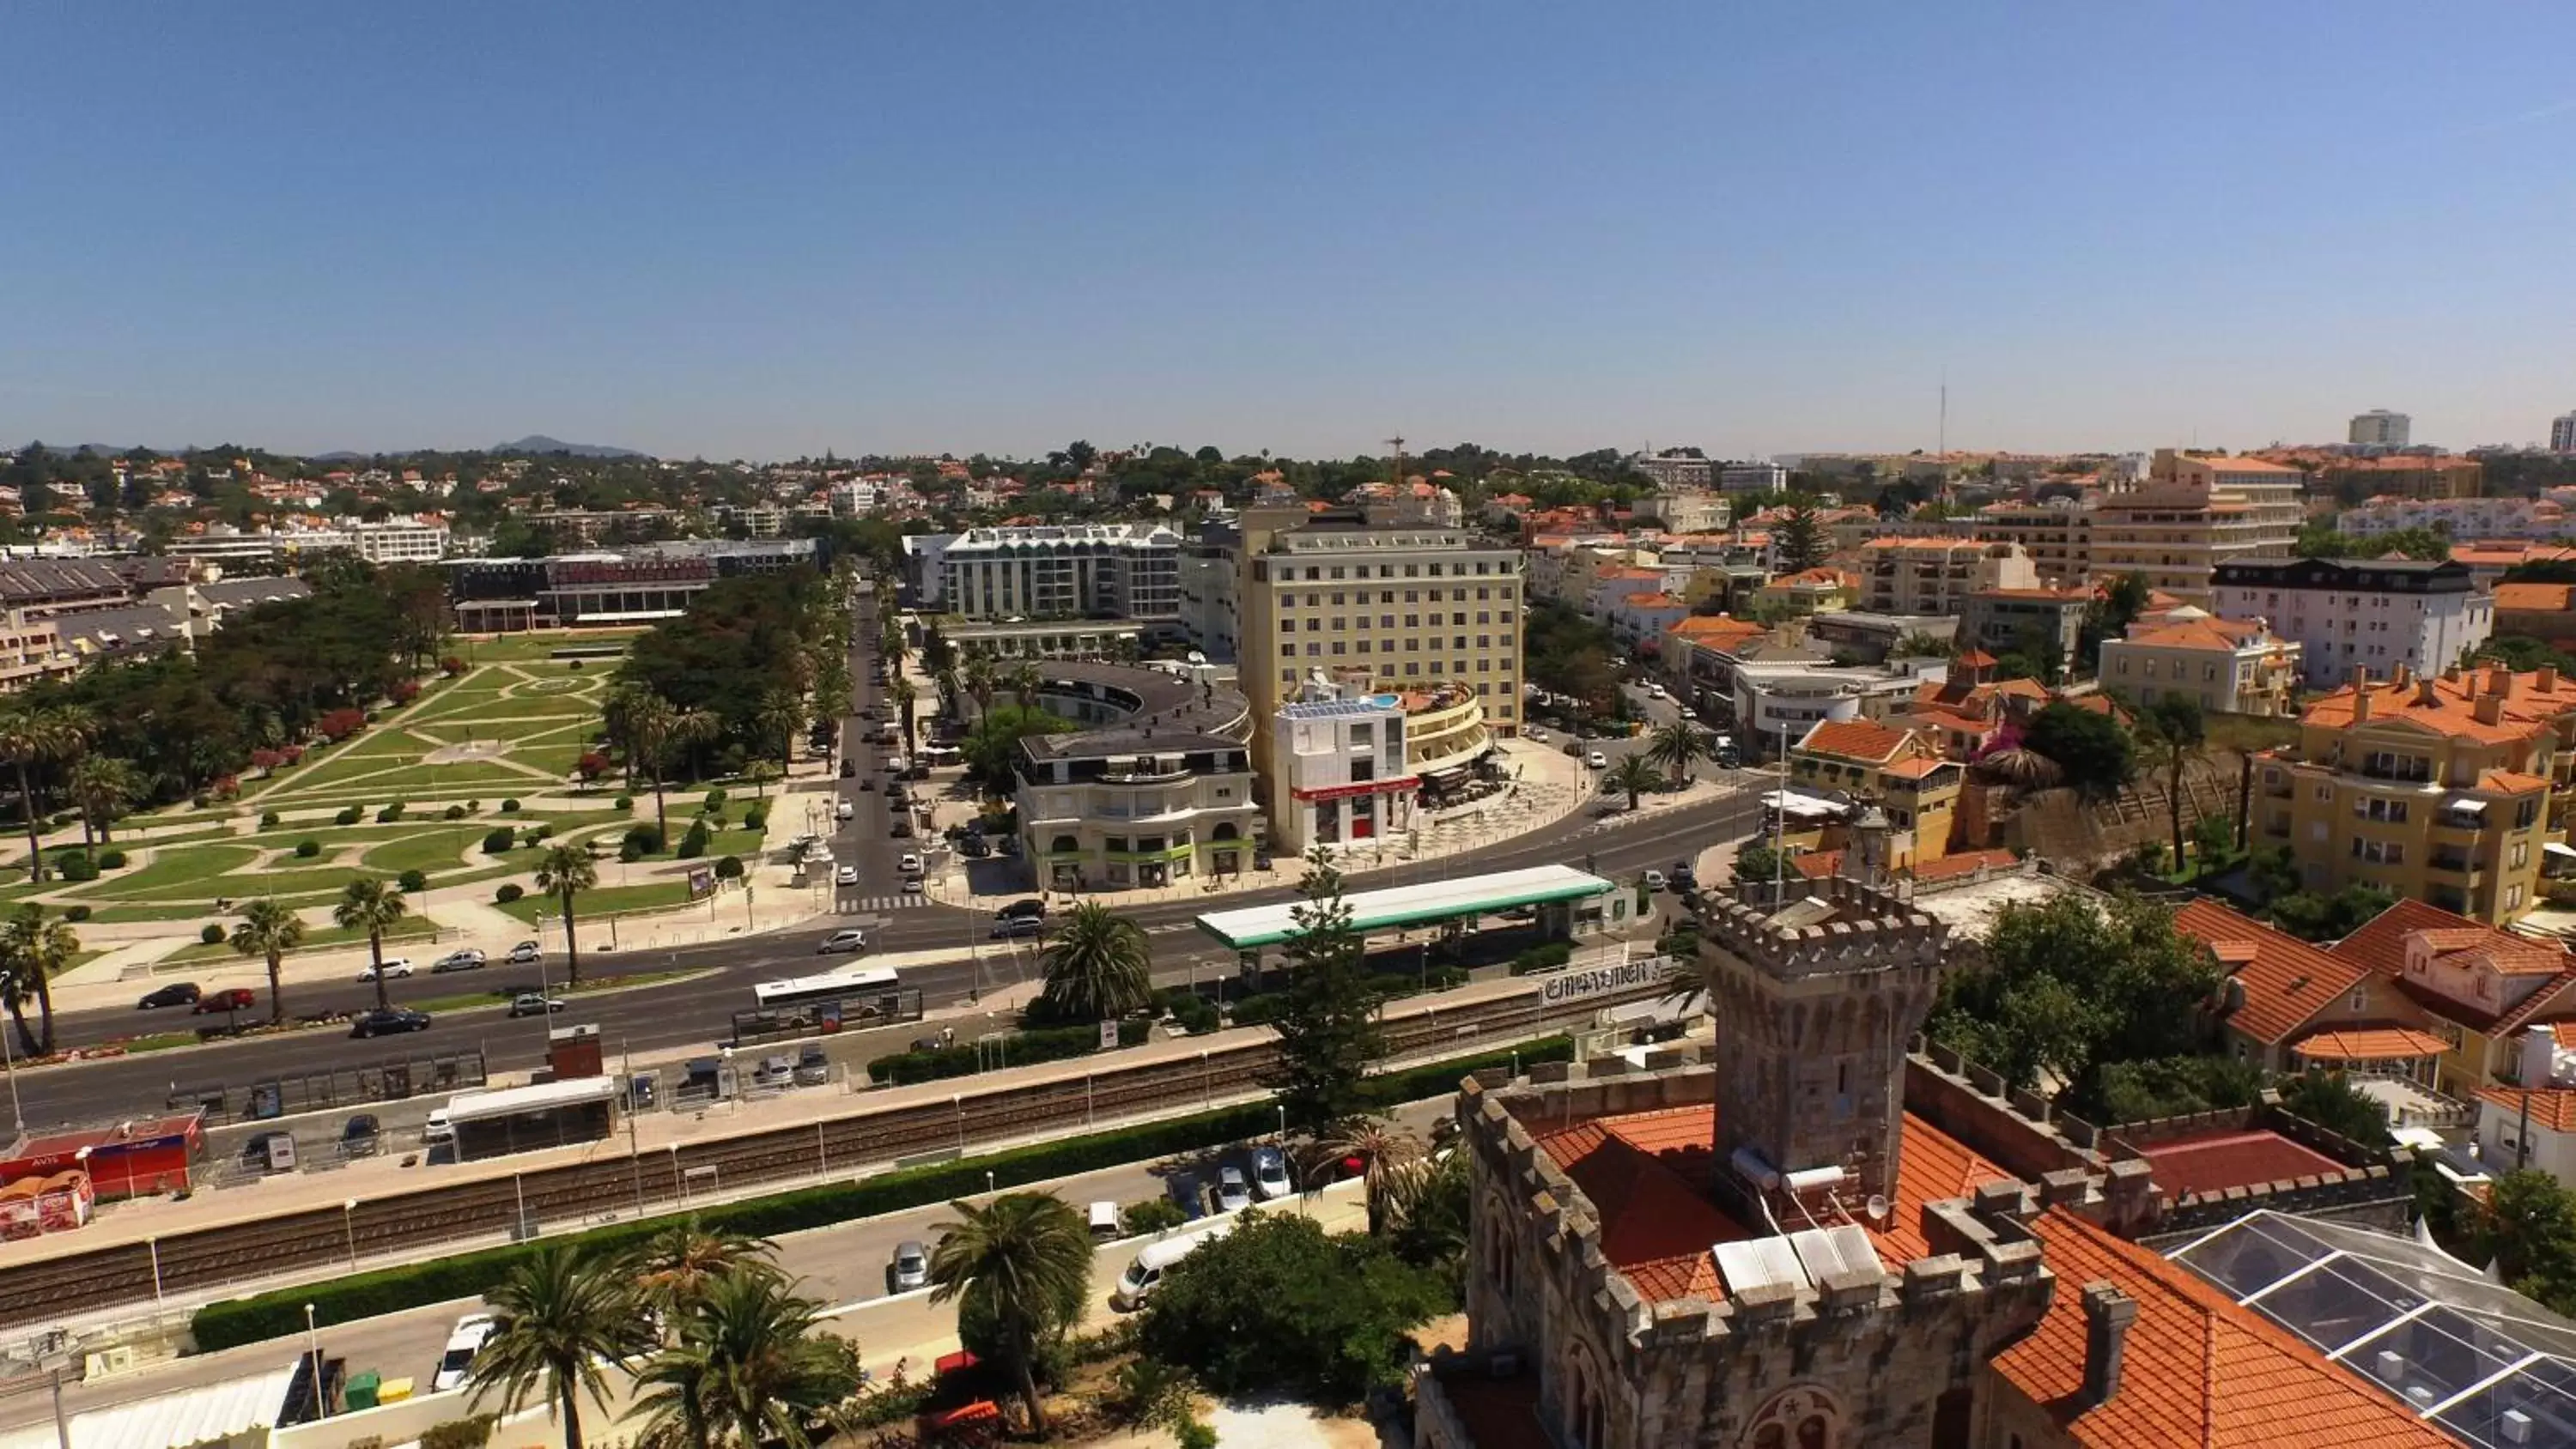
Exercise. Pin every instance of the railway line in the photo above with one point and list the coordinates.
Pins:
(625, 1184)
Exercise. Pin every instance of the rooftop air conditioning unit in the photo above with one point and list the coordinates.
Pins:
(2391, 1364)
(2513, 1426)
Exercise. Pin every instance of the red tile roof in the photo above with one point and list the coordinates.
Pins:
(1854, 739)
(2380, 944)
(2547, 598)
(2286, 980)
(2551, 1107)
(2375, 1044)
(2207, 1162)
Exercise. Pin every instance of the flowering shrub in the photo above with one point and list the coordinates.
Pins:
(339, 724)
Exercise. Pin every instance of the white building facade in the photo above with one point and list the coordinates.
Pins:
(2374, 613)
(1132, 570)
(2380, 428)
(1339, 777)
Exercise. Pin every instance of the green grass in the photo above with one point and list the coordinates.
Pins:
(605, 901)
(328, 938)
(500, 996)
(537, 644)
(430, 851)
(184, 868)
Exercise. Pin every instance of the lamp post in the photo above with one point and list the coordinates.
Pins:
(349, 1230)
(313, 1340)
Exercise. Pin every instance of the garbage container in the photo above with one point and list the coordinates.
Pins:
(360, 1391)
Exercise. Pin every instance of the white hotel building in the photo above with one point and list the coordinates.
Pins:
(1124, 570)
(1339, 775)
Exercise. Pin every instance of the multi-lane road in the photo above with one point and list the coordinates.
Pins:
(696, 1012)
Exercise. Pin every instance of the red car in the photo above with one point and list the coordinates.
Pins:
(230, 999)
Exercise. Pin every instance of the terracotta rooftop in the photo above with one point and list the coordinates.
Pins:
(1854, 739)
(2549, 598)
(2199, 1370)
(2551, 1107)
(1646, 1174)
(2208, 1162)
(2380, 944)
(2286, 980)
(2528, 706)
(2373, 1044)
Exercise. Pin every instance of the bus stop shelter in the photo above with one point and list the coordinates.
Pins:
(524, 1119)
(1569, 902)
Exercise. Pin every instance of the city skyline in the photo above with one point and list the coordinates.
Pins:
(879, 232)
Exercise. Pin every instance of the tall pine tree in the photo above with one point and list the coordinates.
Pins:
(1327, 1021)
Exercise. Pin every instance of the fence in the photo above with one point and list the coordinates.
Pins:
(264, 1098)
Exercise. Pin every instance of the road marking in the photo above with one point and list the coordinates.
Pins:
(852, 905)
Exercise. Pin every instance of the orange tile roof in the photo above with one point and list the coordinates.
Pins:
(2286, 980)
(2190, 634)
(2380, 944)
(2199, 1369)
(2550, 598)
(1854, 739)
(2376, 1044)
(2551, 1107)
(2453, 710)
(1917, 768)
(1977, 659)
(2512, 782)
(1966, 862)
(1703, 627)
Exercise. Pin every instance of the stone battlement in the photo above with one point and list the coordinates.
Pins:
(1873, 929)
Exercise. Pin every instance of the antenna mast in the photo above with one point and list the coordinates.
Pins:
(1396, 482)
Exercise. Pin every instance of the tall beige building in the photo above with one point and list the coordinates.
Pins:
(1413, 606)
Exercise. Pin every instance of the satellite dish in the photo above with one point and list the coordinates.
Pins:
(1877, 1207)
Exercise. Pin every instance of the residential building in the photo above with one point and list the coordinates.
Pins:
(1641, 619)
(1776, 702)
(1059, 571)
(2288, 1004)
(2275, 494)
(1210, 561)
(2375, 614)
(1339, 775)
(1874, 638)
(2056, 534)
(2481, 988)
(1685, 511)
(1674, 470)
(1111, 639)
(1416, 607)
(1914, 575)
(2175, 535)
(922, 554)
(1445, 735)
(2478, 518)
(31, 648)
(2562, 433)
(2230, 666)
(2380, 428)
(2488, 563)
(756, 520)
(2546, 612)
(2405, 475)
(1752, 478)
(1417, 503)
(1156, 788)
(2432, 787)
(1897, 770)
(1819, 590)
(1700, 651)
(2045, 621)
(1964, 713)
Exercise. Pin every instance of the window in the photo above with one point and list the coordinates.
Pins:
(2360, 999)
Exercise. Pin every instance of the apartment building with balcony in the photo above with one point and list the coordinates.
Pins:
(1416, 607)
(1157, 789)
(2175, 536)
(2376, 614)
(2478, 518)
(2434, 787)
(2056, 534)
(1058, 571)
(1775, 703)
(2404, 475)
(2274, 493)
(2229, 666)
(1935, 575)
(2018, 620)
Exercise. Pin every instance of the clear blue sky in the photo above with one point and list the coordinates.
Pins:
(766, 229)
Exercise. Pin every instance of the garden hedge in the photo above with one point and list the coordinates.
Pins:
(1053, 1044)
(237, 1321)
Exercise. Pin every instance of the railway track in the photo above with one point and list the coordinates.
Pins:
(141, 1273)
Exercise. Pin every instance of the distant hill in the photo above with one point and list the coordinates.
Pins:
(540, 443)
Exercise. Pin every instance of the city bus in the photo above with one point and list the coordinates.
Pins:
(803, 991)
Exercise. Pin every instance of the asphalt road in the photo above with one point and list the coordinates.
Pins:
(697, 1012)
(836, 1266)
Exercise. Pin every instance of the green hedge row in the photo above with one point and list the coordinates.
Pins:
(236, 1321)
(1052, 1044)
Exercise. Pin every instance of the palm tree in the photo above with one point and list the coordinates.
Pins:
(565, 871)
(1026, 681)
(1389, 1156)
(1677, 746)
(645, 726)
(2018, 766)
(105, 787)
(676, 1265)
(33, 951)
(952, 691)
(781, 714)
(905, 696)
(893, 646)
(557, 1319)
(31, 738)
(745, 1364)
(368, 904)
(2172, 737)
(1634, 774)
(1025, 1260)
(1099, 965)
(270, 930)
(980, 681)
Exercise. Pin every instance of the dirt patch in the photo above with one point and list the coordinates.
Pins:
(465, 752)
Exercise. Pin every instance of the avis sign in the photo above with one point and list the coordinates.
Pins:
(1568, 986)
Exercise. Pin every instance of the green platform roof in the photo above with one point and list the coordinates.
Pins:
(1443, 900)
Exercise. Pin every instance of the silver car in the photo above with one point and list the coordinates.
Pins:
(911, 1266)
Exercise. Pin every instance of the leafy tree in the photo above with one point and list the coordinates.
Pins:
(992, 747)
(2527, 1229)
(2173, 1086)
(2213, 838)
(905, 696)
(33, 951)
(2330, 1100)
(558, 1318)
(1024, 1260)
(650, 731)
(566, 871)
(1758, 862)
(2320, 540)
(369, 906)
(1278, 1306)
(1679, 745)
(746, 1365)
(2171, 738)
(2109, 617)
(1635, 775)
(268, 929)
(35, 738)
(1098, 966)
(104, 787)
(2522, 653)
(2067, 987)
(1326, 1021)
(2091, 750)
(2316, 916)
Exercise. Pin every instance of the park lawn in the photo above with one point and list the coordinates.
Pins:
(513, 728)
(184, 867)
(591, 905)
(326, 938)
(539, 643)
(440, 848)
(410, 782)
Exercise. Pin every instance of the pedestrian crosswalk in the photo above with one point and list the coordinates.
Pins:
(854, 905)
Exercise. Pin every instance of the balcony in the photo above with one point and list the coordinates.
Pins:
(2461, 867)
(1146, 772)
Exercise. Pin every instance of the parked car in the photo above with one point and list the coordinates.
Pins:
(868, 784)
(467, 959)
(1012, 927)
(526, 953)
(226, 1001)
(911, 1266)
(463, 1343)
(395, 969)
(529, 1003)
(388, 1022)
(1653, 880)
(177, 993)
(361, 1135)
(813, 1065)
(847, 875)
(1597, 760)
(1029, 906)
(259, 1155)
(851, 941)
(1270, 1174)
(1232, 1193)
(1536, 737)
(910, 864)
(777, 1070)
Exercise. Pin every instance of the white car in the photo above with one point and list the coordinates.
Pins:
(439, 1129)
(1233, 1194)
(847, 875)
(912, 886)
(1656, 691)
(1654, 880)
(1597, 760)
(1270, 1174)
(396, 968)
(844, 810)
(910, 864)
(471, 1333)
(1536, 737)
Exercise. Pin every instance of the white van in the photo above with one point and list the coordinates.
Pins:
(1137, 1283)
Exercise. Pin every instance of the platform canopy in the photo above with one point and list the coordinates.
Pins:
(540, 1097)
(1443, 900)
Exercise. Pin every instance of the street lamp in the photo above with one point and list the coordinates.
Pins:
(349, 1230)
(313, 1340)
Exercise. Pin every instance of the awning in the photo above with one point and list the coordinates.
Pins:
(2559, 848)
(541, 1097)
(2376, 1045)
(2466, 804)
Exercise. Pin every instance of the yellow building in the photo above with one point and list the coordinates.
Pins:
(2433, 788)
(2479, 987)
(1814, 591)
(1418, 608)
(1897, 770)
